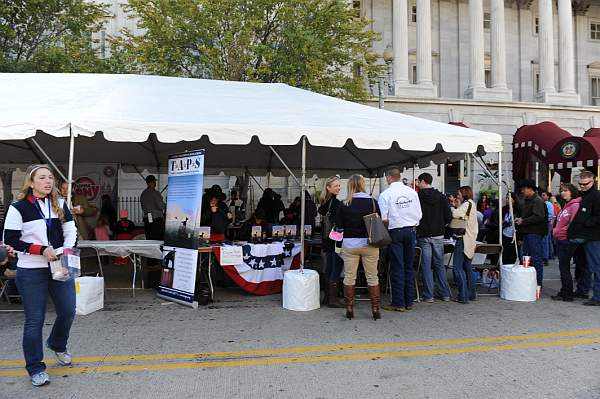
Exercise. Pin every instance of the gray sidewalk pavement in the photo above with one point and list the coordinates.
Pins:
(563, 363)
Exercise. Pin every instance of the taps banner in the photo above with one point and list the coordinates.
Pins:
(182, 227)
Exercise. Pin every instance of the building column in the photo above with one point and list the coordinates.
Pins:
(400, 41)
(566, 57)
(424, 43)
(424, 86)
(477, 58)
(546, 47)
(498, 45)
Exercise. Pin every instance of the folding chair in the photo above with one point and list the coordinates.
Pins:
(489, 249)
(4, 284)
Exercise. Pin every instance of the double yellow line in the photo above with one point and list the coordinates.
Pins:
(207, 360)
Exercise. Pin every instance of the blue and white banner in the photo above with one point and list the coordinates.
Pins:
(182, 226)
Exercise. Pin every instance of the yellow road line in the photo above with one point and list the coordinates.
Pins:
(307, 359)
(308, 349)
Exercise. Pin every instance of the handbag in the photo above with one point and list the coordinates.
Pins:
(327, 224)
(378, 234)
(458, 226)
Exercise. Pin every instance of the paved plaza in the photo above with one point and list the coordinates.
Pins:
(250, 347)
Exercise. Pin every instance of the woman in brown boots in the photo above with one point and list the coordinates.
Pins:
(355, 247)
(334, 264)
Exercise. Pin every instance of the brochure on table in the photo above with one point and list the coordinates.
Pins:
(182, 228)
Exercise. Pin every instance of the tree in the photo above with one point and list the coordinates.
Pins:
(319, 45)
(49, 35)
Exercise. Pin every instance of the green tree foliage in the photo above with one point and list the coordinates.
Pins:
(319, 45)
(49, 35)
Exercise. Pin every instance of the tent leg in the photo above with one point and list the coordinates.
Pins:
(537, 175)
(70, 172)
(302, 202)
(500, 196)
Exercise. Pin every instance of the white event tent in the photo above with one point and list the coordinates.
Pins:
(140, 120)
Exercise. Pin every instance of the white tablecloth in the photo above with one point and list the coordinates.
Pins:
(145, 248)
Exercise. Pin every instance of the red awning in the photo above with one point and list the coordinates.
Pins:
(582, 152)
(458, 124)
(540, 137)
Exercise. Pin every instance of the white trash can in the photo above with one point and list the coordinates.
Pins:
(301, 290)
(518, 283)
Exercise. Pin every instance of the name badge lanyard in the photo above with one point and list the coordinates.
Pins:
(48, 220)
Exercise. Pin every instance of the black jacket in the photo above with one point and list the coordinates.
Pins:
(332, 205)
(217, 221)
(350, 218)
(534, 214)
(586, 224)
(436, 213)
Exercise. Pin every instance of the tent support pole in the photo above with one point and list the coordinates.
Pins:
(253, 178)
(500, 197)
(39, 148)
(537, 175)
(285, 165)
(70, 171)
(302, 203)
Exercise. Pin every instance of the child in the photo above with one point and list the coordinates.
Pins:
(123, 231)
(102, 231)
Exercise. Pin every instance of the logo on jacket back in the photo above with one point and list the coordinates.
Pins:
(403, 202)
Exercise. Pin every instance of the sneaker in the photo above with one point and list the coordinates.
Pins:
(62, 358)
(446, 299)
(428, 300)
(409, 307)
(592, 302)
(393, 308)
(40, 379)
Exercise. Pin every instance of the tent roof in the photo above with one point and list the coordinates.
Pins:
(234, 120)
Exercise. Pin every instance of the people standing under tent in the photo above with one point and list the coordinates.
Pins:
(153, 208)
(509, 251)
(238, 205)
(547, 245)
(271, 203)
(108, 210)
(38, 226)
(80, 209)
(430, 238)
(355, 245)
(533, 226)
(102, 230)
(585, 228)
(333, 262)
(310, 211)
(401, 212)
(215, 214)
(566, 248)
(464, 247)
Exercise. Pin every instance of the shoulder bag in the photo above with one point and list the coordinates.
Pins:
(378, 234)
(458, 226)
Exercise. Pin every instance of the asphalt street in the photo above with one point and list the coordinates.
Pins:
(250, 347)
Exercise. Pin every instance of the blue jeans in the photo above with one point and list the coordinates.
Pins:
(463, 273)
(402, 271)
(34, 286)
(592, 251)
(432, 257)
(334, 267)
(532, 246)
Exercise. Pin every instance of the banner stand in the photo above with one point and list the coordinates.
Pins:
(193, 305)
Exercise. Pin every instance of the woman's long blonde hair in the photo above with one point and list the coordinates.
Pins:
(325, 194)
(356, 184)
(26, 189)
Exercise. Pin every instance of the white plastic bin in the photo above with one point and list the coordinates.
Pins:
(301, 290)
(518, 283)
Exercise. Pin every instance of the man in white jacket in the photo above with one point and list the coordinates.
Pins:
(401, 212)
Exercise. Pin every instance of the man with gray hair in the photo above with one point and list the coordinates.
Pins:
(401, 212)
(585, 228)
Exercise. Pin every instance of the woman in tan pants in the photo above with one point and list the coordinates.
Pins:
(355, 247)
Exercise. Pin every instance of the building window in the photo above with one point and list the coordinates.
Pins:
(595, 84)
(356, 8)
(487, 20)
(536, 25)
(413, 14)
(595, 31)
(103, 43)
(488, 78)
(413, 74)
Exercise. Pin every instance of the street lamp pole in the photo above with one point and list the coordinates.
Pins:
(386, 79)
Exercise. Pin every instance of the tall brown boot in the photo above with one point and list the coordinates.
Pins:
(375, 301)
(349, 298)
(333, 300)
